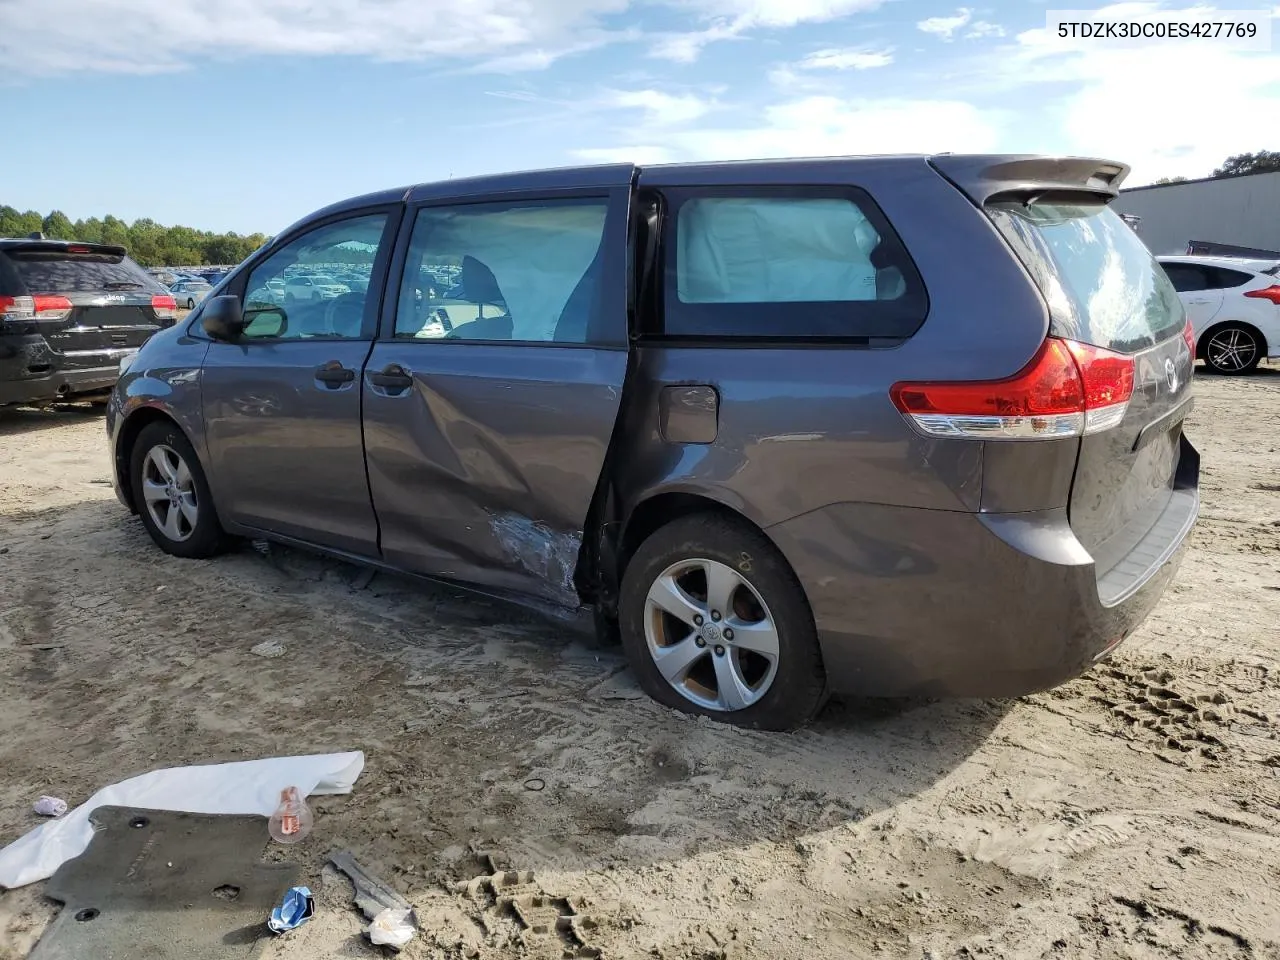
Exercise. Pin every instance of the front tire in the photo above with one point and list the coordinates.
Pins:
(172, 494)
(715, 623)
(1233, 350)
(191, 303)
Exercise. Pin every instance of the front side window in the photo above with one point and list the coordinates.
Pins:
(794, 265)
(284, 300)
(527, 271)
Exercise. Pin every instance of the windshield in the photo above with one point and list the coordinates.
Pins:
(1101, 283)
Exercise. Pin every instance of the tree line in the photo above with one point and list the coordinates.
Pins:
(148, 242)
(1264, 161)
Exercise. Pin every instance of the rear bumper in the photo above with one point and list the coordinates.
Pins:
(56, 384)
(912, 602)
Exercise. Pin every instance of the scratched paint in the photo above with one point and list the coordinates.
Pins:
(547, 554)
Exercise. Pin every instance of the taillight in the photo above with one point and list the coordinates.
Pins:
(1189, 335)
(1068, 389)
(1271, 293)
(51, 307)
(165, 306)
(40, 307)
(16, 308)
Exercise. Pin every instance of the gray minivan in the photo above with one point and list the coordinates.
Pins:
(878, 426)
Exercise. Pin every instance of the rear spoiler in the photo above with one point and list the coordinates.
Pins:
(986, 178)
(65, 250)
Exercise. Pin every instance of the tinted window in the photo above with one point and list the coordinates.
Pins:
(525, 271)
(1186, 277)
(310, 311)
(1220, 278)
(46, 272)
(736, 256)
(1101, 283)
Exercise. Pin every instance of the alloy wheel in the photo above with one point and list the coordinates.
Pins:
(169, 491)
(711, 635)
(1231, 350)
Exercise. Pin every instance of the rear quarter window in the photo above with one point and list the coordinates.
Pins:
(1100, 281)
(786, 263)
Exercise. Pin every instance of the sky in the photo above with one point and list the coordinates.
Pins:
(245, 115)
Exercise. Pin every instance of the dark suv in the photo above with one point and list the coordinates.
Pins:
(884, 426)
(69, 313)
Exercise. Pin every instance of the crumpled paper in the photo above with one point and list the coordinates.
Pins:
(392, 927)
(50, 806)
(296, 909)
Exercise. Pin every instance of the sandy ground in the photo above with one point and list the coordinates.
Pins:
(1133, 813)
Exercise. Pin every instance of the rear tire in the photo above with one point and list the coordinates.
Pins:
(172, 494)
(756, 662)
(1232, 350)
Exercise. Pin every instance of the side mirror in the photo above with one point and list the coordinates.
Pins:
(223, 318)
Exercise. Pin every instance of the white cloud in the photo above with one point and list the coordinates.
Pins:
(983, 28)
(730, 19)
(830, 126)
(1142, 106)
(846, 59)
(659, 107)
(149, 35)
(45, 37)
(945, 27)
(687, 47)
(640, 153)
(824, 126)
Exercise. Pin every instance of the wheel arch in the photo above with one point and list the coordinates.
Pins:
(1258, 336)
(130, 429)
(662, 507)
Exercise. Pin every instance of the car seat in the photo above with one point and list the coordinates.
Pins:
(480, 286)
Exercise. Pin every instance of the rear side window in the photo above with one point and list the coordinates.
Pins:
(47, 272)
(786, 264)
(1189, 277)
(1186, 277)
(1220, 278)
(1101, 283)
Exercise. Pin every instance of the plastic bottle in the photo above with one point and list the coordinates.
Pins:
(292, 820)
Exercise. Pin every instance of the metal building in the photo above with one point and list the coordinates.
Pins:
(1236, 211)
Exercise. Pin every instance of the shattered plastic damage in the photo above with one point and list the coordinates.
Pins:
(548, 555)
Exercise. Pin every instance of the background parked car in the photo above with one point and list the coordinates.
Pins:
(312, 287)
(190, 292)
(69, 313)
(1234, 307)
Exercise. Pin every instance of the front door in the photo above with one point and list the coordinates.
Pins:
(491, 396)
(282, 405)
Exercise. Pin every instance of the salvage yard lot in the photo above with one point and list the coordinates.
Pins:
(1133, 813)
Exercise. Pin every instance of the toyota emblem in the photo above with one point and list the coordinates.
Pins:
(1171, 374)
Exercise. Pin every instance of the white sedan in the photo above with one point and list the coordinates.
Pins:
(190, 292)
(1233, 306)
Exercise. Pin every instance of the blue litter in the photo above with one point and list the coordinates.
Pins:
(296, 909)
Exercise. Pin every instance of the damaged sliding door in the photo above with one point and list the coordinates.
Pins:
(491, 395)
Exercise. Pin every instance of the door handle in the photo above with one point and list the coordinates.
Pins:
(334, 374)
(392, 377)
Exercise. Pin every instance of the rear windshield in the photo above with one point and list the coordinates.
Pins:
(1101, 282)
(44, 272)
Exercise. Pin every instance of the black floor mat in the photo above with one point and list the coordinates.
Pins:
(156, 884)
